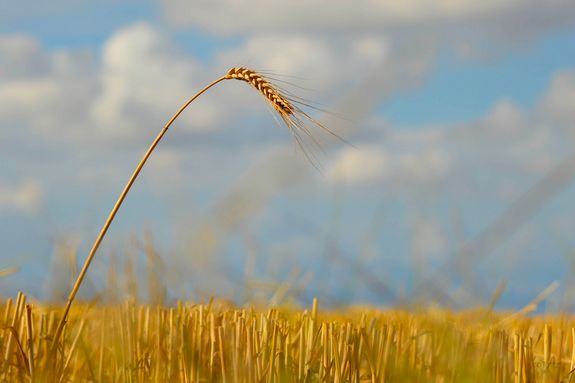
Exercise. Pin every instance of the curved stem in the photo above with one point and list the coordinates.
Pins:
(112, 214)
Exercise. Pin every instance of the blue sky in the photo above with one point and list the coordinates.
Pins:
(443, 98)
(454, 113)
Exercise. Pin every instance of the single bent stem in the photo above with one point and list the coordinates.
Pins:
(112, 214)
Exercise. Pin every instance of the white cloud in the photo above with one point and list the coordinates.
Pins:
(395, 164)
(359, 166)
(28, 99)
(559, 102)
(21, 56)
(429, 166)
(526, 140)
(69, 96)
(323, 14)
(25, 196)
(331, 62)
(505, 118)
(505, 144)
(144, 79)
(43, 93)
(261, 16)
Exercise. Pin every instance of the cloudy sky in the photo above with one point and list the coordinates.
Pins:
(457, 179)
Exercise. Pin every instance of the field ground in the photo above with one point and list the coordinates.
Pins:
(215, 342)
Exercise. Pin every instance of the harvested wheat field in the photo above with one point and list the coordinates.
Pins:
(214, 342)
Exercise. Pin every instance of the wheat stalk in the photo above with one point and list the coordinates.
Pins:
(291, 115)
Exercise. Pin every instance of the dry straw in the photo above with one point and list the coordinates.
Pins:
(214, 342)
(289, 113)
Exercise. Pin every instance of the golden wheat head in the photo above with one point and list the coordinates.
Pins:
(280, 103)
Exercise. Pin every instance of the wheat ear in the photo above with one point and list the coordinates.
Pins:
(280, 103)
